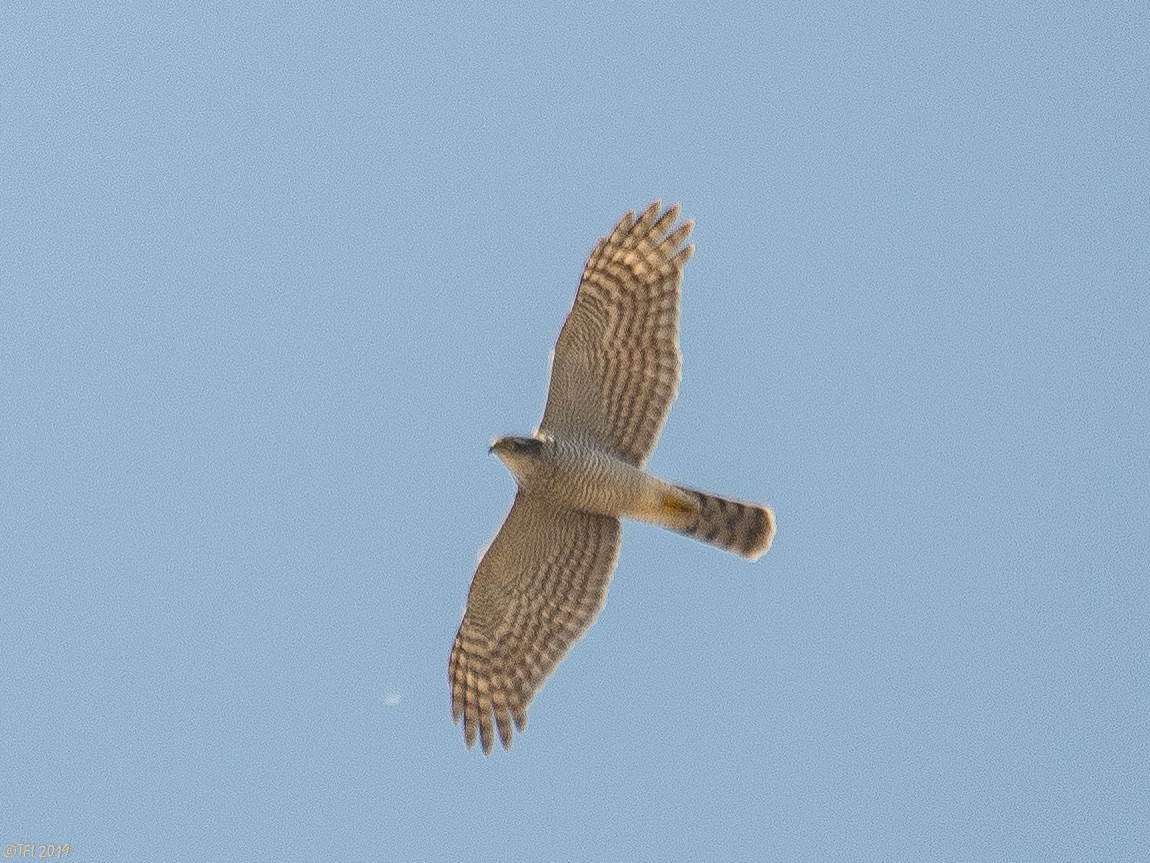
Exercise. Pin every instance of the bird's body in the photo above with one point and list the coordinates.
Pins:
(580, 475)
(544, 577)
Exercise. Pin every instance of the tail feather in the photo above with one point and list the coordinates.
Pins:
(743, 528)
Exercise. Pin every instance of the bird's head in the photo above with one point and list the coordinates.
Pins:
(520, 454)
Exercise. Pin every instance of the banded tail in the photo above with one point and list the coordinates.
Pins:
(743, 528)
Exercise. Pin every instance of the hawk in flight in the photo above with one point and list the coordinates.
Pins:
(614, 373)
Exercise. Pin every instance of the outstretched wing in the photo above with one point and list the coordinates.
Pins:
(615, 369)
(539, 586)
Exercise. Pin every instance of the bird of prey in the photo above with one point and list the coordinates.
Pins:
(543, 579)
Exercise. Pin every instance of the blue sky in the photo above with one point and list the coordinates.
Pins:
(272, 276)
